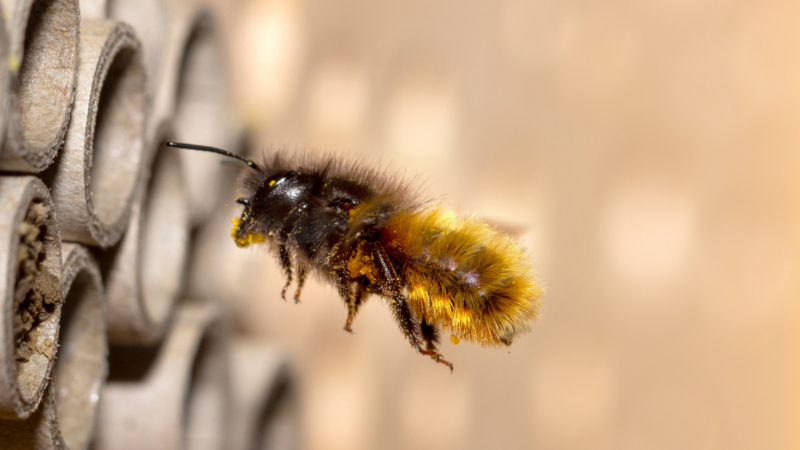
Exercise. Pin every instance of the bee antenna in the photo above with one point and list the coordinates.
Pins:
(219, 151)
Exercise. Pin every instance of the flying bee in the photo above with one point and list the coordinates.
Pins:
(366, 232)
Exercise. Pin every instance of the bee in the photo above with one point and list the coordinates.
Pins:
(366, 232)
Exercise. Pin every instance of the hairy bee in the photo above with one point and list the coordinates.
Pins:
(367, 233)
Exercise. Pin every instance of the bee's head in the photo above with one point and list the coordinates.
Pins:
(243, 232)
(276, 196)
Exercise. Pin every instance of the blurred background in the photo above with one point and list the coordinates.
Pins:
(647, 153)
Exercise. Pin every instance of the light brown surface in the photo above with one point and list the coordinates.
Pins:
(648, 151)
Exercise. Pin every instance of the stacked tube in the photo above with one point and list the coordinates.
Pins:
(98, 347)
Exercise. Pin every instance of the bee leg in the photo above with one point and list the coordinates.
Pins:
(286, 265)
(431, 336)
(402, 312)
(341, 278)
(352, 307)
(301, 279)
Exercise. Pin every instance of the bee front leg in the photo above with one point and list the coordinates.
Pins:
(286, 265)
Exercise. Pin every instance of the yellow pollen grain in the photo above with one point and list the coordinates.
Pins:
(454, 339)
(235, 223)
(244, 241)
(272, 183)
(353, 212)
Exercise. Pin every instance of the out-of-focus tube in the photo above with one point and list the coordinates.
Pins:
(192, 87)
(146, 271)
(265, 410)
(172, 396)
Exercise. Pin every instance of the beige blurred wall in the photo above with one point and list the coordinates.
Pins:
(646, 151)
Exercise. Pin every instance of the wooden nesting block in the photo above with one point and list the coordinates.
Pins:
(146, 269)
(265, 409)
(30, 285)
(66, 418)
(96, 175)
(192, 87)
(172, 396)
(42, 65)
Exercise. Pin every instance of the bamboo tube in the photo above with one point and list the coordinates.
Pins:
(67, 415)
(149, 19)
(146, 270)
(265, 411)
(30, 274)
(5, 80)
(82, 365)
(96, 175)
(192, 87)
(171, 396)
(42, 57)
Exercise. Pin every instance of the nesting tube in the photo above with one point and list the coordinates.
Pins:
(82, 364)
(42, 66)
(150, 20)
(30, 285)
(96, 175)
(147, 269)
(265, 410)
(172, 396)
(5, 83)
(192, 86)
(67, 416)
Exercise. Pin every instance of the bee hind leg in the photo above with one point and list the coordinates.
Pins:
(402, 312)
(431, 336)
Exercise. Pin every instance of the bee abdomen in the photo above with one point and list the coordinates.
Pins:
(464, 275)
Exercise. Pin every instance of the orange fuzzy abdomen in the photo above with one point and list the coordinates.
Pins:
(463, 275)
